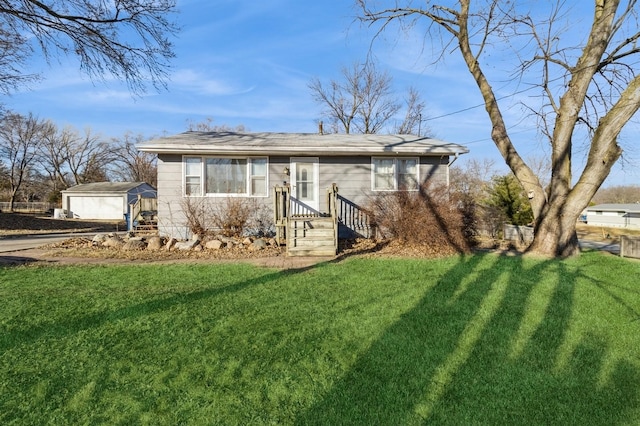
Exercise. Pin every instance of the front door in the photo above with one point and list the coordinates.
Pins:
(304, 181)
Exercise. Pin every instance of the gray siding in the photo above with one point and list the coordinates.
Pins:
(352, 174)
(171, 219)
(435, 169)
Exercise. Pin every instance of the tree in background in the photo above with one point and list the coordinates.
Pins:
(627, 194)
(412, 122)
(207, 125)
(507, 200)
(53, 160)
(20, 140)
(124, 38)
(38, 159)
(134, 165)
(71, 158)
(363, 101)
(583, 85)
(471, 184)
(487, 199)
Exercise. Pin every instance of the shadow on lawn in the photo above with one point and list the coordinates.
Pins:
(480, 349)
(9, 261)
(75, 325)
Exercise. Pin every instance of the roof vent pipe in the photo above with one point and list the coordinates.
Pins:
(320, 128)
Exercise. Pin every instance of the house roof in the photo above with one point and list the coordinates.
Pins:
(110, 187)
(299, 144)
(634, 207)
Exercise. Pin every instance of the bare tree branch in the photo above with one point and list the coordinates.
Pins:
(125, 38)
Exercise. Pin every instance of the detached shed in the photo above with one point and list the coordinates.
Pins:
(104, 200)
(614, 215)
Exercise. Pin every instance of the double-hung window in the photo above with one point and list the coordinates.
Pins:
(193, 176)
(390, 174)
(211, 176)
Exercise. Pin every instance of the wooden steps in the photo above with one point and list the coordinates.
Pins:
(311, 236)
(146, 227)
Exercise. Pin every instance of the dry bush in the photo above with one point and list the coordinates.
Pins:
(231, 216)
(195, 212)
(430, 218)
(260, 223)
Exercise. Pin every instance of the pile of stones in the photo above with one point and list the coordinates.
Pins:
(128, 242)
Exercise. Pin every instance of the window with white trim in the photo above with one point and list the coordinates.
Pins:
(193, 176)
(212, 176)
(390, 174)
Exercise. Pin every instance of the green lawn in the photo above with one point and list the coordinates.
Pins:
(480, 339)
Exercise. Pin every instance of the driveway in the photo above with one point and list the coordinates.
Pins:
(17, 243)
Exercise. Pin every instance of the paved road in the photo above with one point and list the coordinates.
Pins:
(9, 244)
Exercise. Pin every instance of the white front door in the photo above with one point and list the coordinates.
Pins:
(304, 181)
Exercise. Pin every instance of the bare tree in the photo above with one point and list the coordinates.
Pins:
(412, 122)
(627, 194)
(88, 156)
(586, 88)
(361, 103)
(53, 158)
(124, 38)
(134, 165)
(70, 158)
(473, 178)
(472, 184)
(207, 125)
(20, 139)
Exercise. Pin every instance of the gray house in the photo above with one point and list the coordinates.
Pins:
(614, 215)
(104, 200)
(206, 168)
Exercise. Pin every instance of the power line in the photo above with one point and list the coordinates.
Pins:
(491, 140)
(473, 107)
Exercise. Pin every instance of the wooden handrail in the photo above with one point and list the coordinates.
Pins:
(343, 212)
(141, 204)
(281, 208)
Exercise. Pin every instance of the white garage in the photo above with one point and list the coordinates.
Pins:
(104, 200)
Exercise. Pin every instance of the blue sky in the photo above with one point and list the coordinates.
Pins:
(248, 62)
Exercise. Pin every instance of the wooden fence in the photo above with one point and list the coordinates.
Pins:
(630, 247)
(30, 207)
(519, 234)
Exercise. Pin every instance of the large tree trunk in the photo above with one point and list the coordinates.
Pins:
(555, 232)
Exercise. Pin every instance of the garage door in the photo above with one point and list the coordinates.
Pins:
(97, 207)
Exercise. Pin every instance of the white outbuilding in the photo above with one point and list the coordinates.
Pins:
(614, 215)
(104, 200)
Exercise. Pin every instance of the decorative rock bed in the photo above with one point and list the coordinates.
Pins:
(127, 242)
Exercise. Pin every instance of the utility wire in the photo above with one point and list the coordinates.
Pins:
(474, 107)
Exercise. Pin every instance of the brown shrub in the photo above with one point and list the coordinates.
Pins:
(428, 217)
(231, 215)
(195, 213)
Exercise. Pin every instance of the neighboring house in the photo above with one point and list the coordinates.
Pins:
(209, 167)
(104, 200)
(614, 215)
